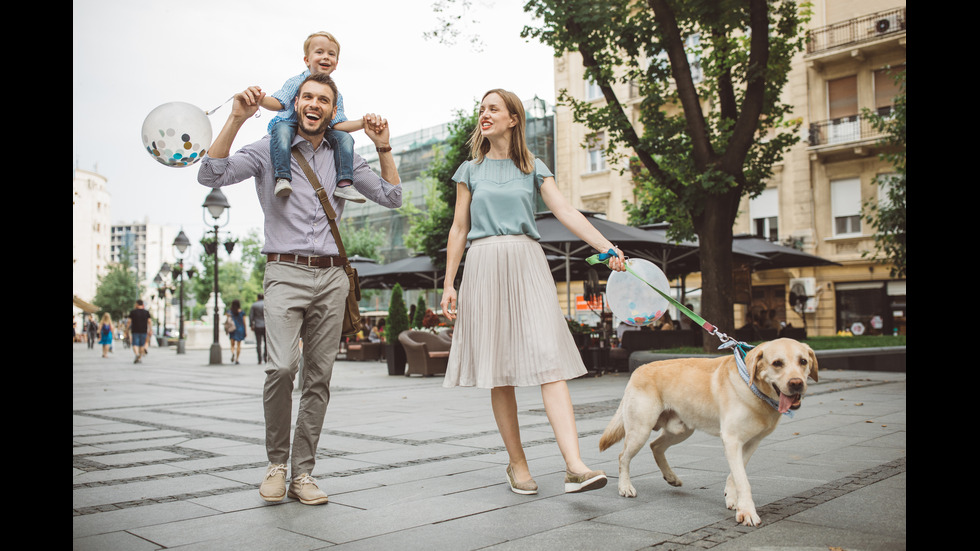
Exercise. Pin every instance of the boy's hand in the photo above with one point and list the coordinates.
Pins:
(376, 128)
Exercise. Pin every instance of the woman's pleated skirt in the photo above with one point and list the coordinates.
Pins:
(510, 330)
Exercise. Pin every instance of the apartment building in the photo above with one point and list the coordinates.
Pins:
(814, 199)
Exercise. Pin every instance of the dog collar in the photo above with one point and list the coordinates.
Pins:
(740, 349)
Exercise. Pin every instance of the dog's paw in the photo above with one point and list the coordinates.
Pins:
(673, 480)
(627, 490)
(730, 500)
(748, 518)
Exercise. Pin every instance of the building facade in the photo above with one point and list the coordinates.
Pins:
(91, 212)
(148, 247)
(815, 197)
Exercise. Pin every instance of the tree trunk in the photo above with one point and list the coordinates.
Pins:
(714, 229)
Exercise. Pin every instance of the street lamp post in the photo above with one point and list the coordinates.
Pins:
(163, 288)
(181, 243)
(215, 204)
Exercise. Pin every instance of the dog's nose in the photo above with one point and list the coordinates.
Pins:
(796, 386)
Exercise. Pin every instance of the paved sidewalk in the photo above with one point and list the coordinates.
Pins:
(169, 453)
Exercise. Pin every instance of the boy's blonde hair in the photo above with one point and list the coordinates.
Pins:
(324, 34)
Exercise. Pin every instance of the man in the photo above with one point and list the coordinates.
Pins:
(256, 319)
(305, 281)
(139, 326)
(91, 328)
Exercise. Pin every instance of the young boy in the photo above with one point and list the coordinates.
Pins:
(321, 52)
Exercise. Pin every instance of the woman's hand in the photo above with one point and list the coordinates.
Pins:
(617, 263)
(449, 303)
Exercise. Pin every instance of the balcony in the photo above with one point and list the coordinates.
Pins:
(868, 28)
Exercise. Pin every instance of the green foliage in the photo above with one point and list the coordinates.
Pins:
(887, 215)
(429, 231)
(397, 315)
(362, 240)
(118, 290)
(419, 320)
(236, 280)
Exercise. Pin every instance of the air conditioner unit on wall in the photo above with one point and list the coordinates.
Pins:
(887, 24)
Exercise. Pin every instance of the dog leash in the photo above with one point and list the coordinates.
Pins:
(739, 348)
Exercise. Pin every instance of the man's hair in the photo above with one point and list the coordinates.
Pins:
(324, 34)
(261, 296)
(322, 79)
(139, 302)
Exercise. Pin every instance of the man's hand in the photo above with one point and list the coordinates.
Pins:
(245, 105)
(376, 128)
(247, 102)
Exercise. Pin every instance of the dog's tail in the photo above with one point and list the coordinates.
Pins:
(614, 431)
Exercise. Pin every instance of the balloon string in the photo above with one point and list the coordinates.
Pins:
(208, 113)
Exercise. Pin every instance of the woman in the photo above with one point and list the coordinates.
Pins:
(238, 335)
(105, 330)
(510, 331)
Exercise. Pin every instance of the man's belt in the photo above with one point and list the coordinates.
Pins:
(310, 261)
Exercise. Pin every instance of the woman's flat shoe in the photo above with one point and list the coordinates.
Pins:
(592, 480)
(527, 488)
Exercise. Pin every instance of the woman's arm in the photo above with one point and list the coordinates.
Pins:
(572, 219)
(455, 248)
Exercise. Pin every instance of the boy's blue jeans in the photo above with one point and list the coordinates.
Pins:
(283, 133)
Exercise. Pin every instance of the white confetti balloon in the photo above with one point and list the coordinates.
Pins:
(632, 300)
(177, 134)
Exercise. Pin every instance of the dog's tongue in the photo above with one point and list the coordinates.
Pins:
(785, 401)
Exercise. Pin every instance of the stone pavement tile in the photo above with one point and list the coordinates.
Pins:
(861, 509)
(415, 490)
(115, 540)
(252, 455)
(123, 473)
(210, 444)
(145, 456)
(354, 525)
(421, 471)
(85, 450)
(105, 439)
(672, 511)
(405, 453)
(585, 536)
(347, 443)
(134, 517)
(148, 489)
(274, 527)
(144, 444)
(109, 427)
(789, 535)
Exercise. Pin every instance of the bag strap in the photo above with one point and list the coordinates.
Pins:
(321, 194)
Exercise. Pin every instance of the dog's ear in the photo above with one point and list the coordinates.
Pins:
(813, 363)
(754, 359)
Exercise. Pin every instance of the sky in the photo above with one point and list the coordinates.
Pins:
(130, 57)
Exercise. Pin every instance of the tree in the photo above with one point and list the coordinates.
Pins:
(711, 73)
(430, 229)
(118, 289)
(419, 320)
(363, 241)
(887, 215)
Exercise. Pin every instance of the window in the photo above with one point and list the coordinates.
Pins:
(842, 107)
(886, 89)
(592, 90)
(764, 211)
(596, 159)
(845, 200)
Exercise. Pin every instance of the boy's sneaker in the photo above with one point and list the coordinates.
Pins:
(350, 194)
(283, 189)
(273, 486)
(304, 488)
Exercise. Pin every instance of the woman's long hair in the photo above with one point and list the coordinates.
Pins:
(519, 153)
(236, 306)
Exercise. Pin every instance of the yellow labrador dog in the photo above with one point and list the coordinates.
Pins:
(679, 396)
